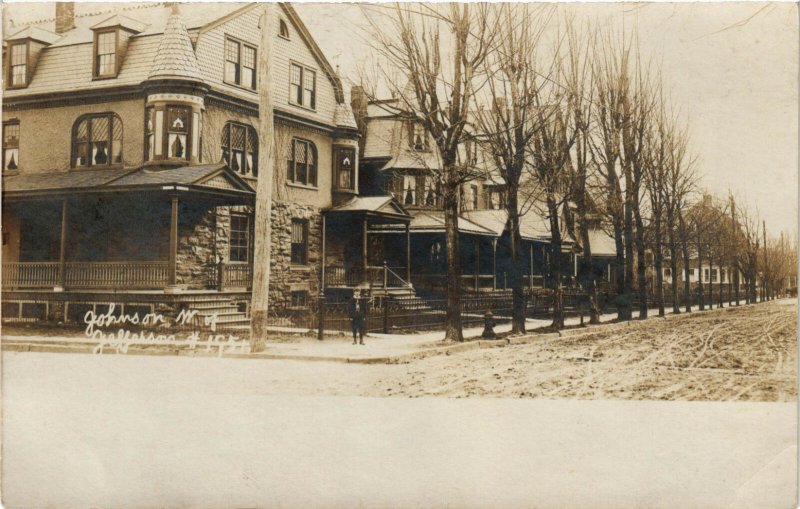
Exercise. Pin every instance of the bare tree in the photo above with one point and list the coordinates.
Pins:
(509, 123)
(440, 49)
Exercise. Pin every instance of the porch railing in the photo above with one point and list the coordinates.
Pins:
(378, 276)
(30, 274)
(123, 275)
(118, 275)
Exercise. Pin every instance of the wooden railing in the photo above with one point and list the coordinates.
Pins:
(224, 276)
(120, 275)
(30, 275)
(110, 275)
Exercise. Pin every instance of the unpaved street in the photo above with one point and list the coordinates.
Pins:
(747, 353)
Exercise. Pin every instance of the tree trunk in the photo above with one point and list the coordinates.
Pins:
(673, 268)
(641, 262)
(453, 330)
(555, 263)
(659, 267)
(701, 304)
(589, 278)
(517, 266)
(262, 228)
(687, 284)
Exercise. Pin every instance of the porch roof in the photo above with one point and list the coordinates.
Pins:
(385, 207)
(433, 222)
(213, 180)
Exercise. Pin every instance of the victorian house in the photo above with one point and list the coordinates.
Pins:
(130, 160)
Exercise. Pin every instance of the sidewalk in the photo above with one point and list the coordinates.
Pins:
(378, 348)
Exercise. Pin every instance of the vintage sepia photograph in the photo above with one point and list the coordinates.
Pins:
(400, 255)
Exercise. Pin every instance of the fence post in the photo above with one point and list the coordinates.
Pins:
(385, 276)
(386, 314)
(221, 276)
(321, 315)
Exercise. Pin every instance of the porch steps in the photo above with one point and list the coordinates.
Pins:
(228, 314)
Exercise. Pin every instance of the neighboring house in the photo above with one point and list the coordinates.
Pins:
(130, 159)
(400, 161)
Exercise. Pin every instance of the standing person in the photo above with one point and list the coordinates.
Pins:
(357, 311)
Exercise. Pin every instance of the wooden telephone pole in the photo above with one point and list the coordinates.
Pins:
(266, 165)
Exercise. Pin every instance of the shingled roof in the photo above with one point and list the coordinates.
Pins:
(175, 57)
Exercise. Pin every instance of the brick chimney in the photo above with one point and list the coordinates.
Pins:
(65, 16)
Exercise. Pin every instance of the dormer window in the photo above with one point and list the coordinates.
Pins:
(105, 54)
(18, 65)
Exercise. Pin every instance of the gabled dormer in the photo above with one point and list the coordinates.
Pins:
(111, 38)
(22, 54)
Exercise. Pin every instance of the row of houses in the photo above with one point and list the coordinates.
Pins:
(130, 162)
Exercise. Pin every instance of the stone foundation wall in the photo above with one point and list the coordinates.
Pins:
(196, 246)
(285, 278)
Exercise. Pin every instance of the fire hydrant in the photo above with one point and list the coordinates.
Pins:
(488, 326)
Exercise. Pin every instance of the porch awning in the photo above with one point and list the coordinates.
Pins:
(210, 180)
(380, 207)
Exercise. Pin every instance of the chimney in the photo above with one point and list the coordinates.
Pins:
(358, 103)
(65, 16)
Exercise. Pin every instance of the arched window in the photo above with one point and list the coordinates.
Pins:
(301, 166)
(284, 29)
(240, 148)
(97, 140)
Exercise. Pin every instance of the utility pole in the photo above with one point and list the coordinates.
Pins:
(266, 166)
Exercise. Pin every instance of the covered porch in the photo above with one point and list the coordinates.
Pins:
(124, 230)
(354, 252)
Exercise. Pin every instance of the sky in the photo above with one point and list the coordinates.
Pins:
(731, 67)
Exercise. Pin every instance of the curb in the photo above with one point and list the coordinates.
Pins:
(17, 346)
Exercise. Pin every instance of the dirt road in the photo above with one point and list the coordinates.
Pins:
(747, 353)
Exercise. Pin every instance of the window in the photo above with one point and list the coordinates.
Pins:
(240, 238)
(240, 148)
(302, 163)
(178, 132)
(149, 133)
(11, 145)
(105, 56)
(299, 298)
(409, 190)
(497, 199)
(18, 65)
(299, 241)
(345, 168)
(97, 141)
(418, 137)
(240, 64)
(284, 30)
(667, 272)
(431, 191)
(303, 86)
(713, 275)
(705, 275)
(473, 196)
(722, 276)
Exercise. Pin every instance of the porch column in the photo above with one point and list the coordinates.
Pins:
(62, 258)
(477, 262)
(172, 266)
(530, 265)
(364, 247)
(494, 264)
(408, 253)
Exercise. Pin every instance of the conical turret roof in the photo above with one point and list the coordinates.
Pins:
(175, 58)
